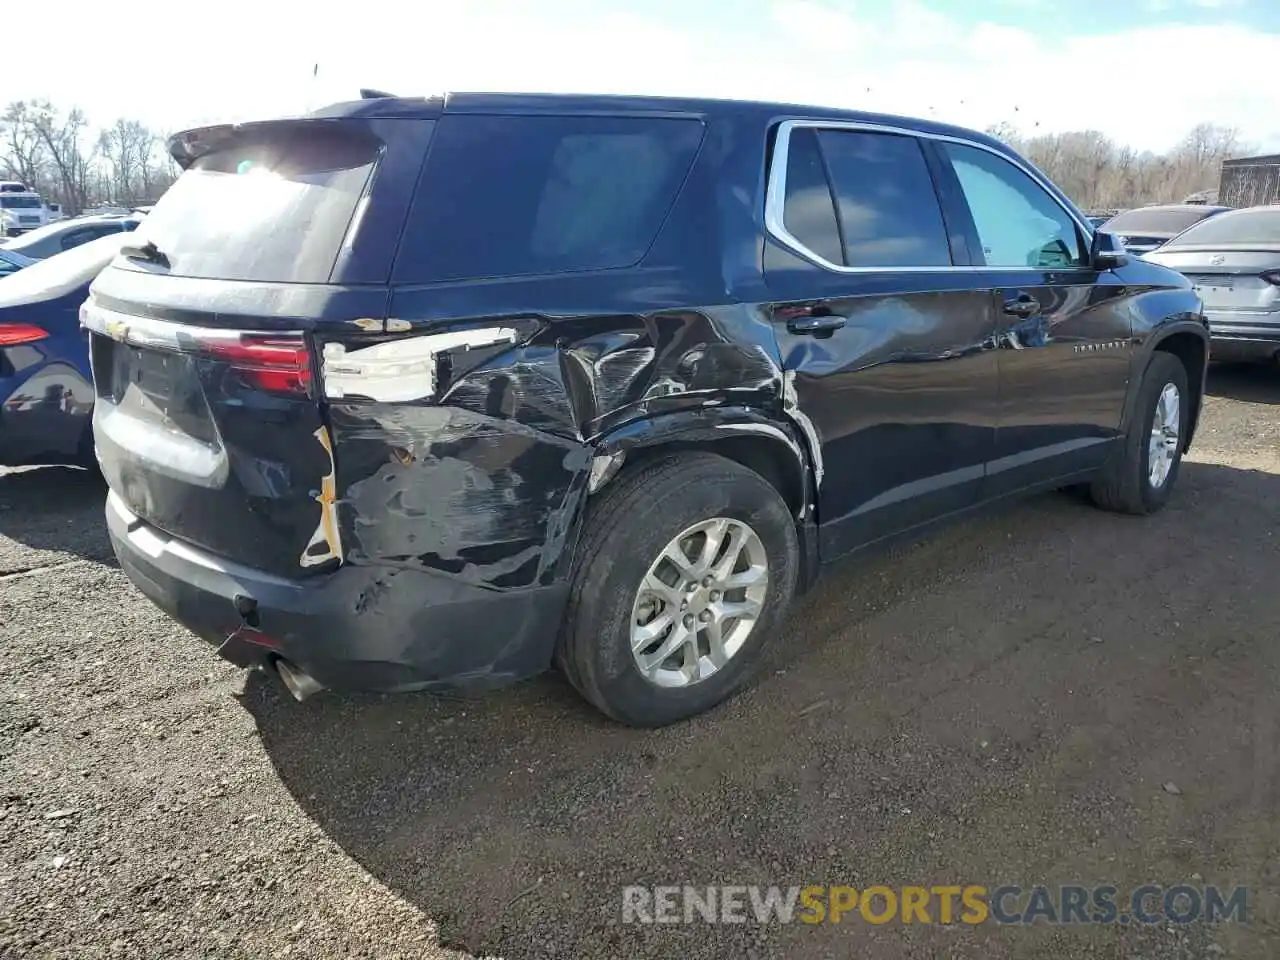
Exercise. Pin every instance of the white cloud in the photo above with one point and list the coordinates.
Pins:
(247, 58)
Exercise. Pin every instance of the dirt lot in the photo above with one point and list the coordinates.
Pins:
(1001, 704)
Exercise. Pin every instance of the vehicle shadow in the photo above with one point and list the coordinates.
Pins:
(998, 702)
(56, 509)
(1248, 382)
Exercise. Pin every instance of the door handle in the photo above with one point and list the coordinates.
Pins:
(1023, 306)
(816, 325)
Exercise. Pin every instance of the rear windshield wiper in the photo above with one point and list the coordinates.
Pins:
(146, 251)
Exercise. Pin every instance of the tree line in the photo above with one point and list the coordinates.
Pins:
(60, 154)
(1100, 174)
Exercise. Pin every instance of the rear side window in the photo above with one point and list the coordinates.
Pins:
(271, 203)
(518, 196)
(810, 211)
(889, 211)
(1248, 226)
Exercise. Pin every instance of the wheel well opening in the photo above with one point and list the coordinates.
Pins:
(1190, 351)
(768, 458)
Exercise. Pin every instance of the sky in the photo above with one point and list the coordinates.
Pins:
(1142, 71)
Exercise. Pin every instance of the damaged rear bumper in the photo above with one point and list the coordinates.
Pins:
(351, 629)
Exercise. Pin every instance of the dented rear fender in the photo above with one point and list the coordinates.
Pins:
(485, 478)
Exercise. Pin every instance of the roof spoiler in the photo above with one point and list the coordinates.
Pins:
(367, 93)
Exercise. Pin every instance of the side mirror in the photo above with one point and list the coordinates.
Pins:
(1107, 252)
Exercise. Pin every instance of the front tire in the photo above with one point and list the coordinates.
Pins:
(686, 570)
(1140, 475)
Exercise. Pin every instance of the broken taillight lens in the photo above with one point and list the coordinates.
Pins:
(276, 364)
(16, 334)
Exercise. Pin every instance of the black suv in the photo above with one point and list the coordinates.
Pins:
(421, 391)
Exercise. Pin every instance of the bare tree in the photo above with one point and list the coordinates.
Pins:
(24, 153)
(63, 136)
(1101, 174)
(58, 155)
(129, 149)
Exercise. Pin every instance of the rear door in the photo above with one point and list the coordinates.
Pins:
(887, 346)
(1063, 333)
(208, 419)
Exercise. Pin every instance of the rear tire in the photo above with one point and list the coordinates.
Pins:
(1128, 483)
(741, 524)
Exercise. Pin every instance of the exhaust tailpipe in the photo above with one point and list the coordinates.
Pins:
(298, 682)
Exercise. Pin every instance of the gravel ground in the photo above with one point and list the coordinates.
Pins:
(1003, 703)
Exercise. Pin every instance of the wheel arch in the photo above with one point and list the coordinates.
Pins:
(1188, 341)
(749, 437)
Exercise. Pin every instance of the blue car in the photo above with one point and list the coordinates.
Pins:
(46, 390)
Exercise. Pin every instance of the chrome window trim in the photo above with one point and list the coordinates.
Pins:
(776, 197)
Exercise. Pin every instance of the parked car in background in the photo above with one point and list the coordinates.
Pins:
(11, 262)
(46, 390)
(1233, 260)
(68, 234)
(579, 385)
(1143, 229)
(21, 209)
(55, 212)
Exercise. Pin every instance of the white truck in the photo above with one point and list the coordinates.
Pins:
(21, 209)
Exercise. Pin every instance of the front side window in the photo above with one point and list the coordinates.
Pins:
(1019, 224)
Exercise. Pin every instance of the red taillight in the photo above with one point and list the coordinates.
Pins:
(274, 364)
(15, 334)
(1271, 276)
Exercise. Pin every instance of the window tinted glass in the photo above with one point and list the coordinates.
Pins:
(20, 203)
(1019, 224)
(888, 208)
(810, 212)
(1160, 220)
(511, 196)
(1248, 226)
(272, 203)
(77, 237)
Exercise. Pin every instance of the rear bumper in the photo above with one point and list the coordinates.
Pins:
(359, 628)
(1244, 337)
(41, 435)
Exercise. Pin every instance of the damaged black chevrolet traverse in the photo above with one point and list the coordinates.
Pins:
(446, 391)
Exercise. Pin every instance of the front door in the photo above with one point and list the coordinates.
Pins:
(887, 348)
(1064, 336)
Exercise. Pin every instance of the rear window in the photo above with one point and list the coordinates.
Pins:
(271, 203)
(1251, 226)
(517, 196)
(1156, 220)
